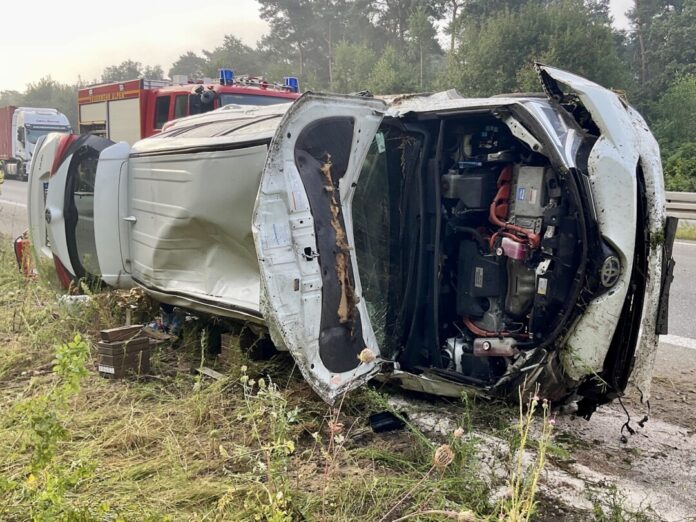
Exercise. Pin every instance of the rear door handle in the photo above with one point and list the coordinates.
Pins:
(130, 219)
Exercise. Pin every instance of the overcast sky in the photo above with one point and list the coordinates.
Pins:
(70, 39)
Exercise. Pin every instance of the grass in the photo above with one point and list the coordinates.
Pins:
(256, 445)
(686, 231)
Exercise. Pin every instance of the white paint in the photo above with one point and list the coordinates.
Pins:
(12, 203)
(676, 340)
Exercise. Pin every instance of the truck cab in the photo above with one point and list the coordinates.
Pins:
(28, 125)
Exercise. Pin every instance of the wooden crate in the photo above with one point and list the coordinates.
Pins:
(122, 333)
(118, 359)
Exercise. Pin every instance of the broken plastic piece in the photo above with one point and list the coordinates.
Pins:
(385, 421)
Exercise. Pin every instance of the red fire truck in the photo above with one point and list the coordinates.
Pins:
(135, 109)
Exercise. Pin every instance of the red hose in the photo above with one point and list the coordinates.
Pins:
(503, 198)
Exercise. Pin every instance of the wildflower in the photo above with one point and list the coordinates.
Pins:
(458, 433)
(335, 427)
(443, 457)
(552, 421)
(366, 356)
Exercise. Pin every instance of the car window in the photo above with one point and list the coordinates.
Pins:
(161, 111)
(180, 105)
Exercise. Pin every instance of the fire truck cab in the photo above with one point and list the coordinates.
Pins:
(135, 109)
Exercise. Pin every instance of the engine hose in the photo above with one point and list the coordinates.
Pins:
(503, 187)
(485, 333)
(474, 233)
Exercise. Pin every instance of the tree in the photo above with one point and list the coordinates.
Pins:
(190, 64)
(393, 16)
(129, 70)
(232, 54)
(496, 53)
(680, 168)
(10, 98)
(352, 68)
(422, 35)
(663, 44)
(49, 93)
(674, 120)
(154, 72)
(390, 74)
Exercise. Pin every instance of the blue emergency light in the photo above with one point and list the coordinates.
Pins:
(291, 83)
(226, 76)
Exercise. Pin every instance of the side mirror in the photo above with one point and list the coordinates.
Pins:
(20, 135)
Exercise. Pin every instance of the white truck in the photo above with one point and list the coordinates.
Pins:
(20, 128)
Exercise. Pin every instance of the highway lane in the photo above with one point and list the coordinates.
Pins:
(13, 208)
(682, 297)
(682, 308)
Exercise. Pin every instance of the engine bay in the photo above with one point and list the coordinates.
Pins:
(504, 242)
(508, 246)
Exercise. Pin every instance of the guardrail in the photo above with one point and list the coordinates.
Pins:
(681, 205)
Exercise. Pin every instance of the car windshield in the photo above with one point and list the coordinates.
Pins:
(34, 133)
(377, 216)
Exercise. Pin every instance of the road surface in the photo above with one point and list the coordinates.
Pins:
(13, 208)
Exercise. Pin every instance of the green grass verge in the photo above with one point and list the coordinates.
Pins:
(173, 445)
(686, 231)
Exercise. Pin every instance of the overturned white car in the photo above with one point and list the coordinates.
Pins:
(483, 243)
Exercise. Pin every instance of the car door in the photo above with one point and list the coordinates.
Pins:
(69, 207)
(111, 219)
(310, 284)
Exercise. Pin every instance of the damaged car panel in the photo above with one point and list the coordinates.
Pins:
(310, 289)
(449, 243)
(62, 205)
(626, 175)
(497, 242)
(191, 194)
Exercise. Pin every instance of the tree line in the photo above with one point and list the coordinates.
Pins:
(479, 47)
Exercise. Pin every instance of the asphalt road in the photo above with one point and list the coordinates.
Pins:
(682, 297)
(682, 307)
(13, 208)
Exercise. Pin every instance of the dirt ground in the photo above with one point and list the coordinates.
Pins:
(647, 475)
(655, 468)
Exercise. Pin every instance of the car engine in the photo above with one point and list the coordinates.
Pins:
(508, 247)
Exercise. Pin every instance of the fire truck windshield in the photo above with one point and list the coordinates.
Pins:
(250, 99)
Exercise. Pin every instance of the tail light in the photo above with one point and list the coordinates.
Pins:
(63, 143)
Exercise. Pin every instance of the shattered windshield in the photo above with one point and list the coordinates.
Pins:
(377, 228)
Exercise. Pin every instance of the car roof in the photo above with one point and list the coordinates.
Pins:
(227, 125)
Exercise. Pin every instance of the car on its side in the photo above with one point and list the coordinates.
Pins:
(466, 243)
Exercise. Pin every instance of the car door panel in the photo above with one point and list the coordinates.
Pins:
(310, 287)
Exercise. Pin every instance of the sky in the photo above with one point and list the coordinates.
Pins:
(68, 39)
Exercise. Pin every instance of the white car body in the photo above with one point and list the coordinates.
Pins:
(564, 278)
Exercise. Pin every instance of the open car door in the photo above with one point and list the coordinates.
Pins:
(310, 285)
(69, 207)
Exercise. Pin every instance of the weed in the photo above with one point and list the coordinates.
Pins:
(523, 482)
(609, 505)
